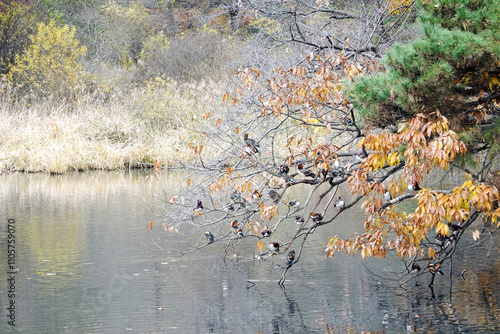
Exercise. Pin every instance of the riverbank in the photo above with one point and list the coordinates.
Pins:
(154, 122)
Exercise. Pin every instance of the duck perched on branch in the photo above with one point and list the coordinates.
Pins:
(290, 257)
(305, 172)
(316, 217)
(274, 247)
(209, 236)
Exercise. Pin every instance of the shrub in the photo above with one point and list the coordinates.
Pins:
(51, 65)
(15, 25)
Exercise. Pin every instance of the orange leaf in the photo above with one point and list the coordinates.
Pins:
(260, 245)
(150, 225)
(164, 227)
(432, 253)
(189, 182)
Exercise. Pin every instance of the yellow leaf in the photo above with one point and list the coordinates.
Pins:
(431, 252)
(189, 182)
(442, 228)
(260, 245)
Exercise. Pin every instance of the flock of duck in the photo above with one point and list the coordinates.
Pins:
(251, 147)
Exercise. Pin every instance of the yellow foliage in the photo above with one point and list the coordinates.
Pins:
(51, 65)
(394, 7)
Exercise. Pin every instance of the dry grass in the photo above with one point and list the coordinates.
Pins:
(150, 123)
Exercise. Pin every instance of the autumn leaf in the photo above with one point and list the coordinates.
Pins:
(150, 225)
(431, 252)
(475, 234)
(260, 245)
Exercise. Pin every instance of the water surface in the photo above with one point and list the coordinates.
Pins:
(88, 263)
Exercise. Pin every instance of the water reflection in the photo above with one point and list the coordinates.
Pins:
(85, 267)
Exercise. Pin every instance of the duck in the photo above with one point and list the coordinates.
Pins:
(234, 225)
(299, 220)
(346, 120)
(305, 172)
(435, 268)
(316, 217)
(250, 150)
(442, 241)
(290, 181)
(415, 268)
(274, 247)
(249, 141)
(239, 233)
(414, 186)
(274, 195)
(266, 231)
(290, 257)
(340, 203)
(230, 207)
(256, 194)
(284, 170)
(293, 203)
(323, 173)
(209, 236)
(387, 195)
(199, 206)
(338, 172)
(235, 196)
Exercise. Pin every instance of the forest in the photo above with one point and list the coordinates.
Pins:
(389, 106)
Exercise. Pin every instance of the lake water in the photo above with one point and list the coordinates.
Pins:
(88, 263)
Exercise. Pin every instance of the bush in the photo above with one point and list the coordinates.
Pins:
(51, 65)
(15, 23)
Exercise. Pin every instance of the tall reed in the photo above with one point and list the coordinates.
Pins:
(153, 122)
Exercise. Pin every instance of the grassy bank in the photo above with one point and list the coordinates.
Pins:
(153, 122)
